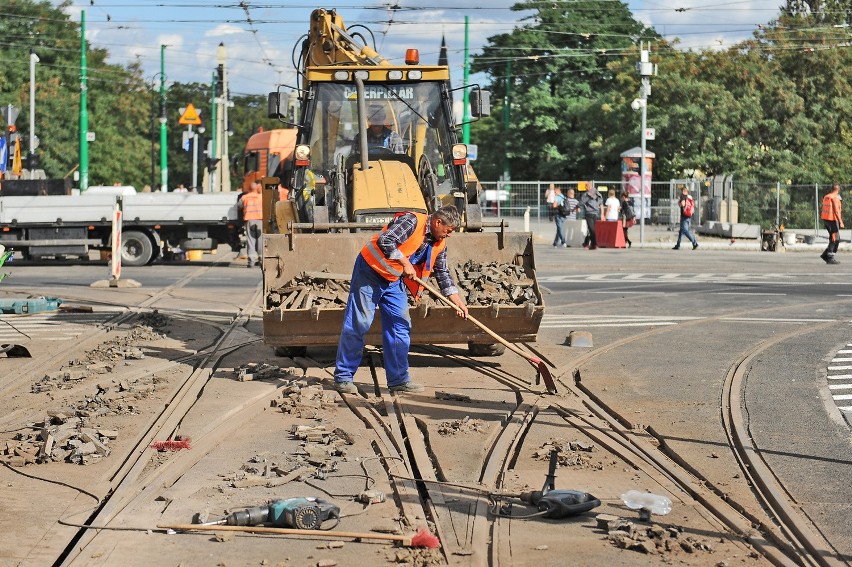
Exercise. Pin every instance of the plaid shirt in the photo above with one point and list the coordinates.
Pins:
(399, 230)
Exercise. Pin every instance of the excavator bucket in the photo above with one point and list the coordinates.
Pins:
(289, 256)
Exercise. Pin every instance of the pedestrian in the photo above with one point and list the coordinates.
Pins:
(687, 208)
(612, 206)
(833, 220)
(252, 207)
(412, 244)
(592, 204)
(549, 198)
(572, 205)
(559, 216)
(628, 216)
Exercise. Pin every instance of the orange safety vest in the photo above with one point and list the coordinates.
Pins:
(252, 206)
(831, 205)
(391, 270)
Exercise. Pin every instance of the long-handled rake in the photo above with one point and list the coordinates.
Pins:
(543, 371)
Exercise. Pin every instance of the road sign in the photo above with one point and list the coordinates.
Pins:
(190, 116)
(472, 150)
(90, 136)
(650, 133)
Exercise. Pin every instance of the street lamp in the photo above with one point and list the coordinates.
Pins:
(646, 71)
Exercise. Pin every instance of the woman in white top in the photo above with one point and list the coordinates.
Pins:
(612, 206)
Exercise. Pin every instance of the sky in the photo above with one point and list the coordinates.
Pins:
(260, 35)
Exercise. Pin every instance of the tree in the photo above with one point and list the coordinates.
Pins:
(559, 68)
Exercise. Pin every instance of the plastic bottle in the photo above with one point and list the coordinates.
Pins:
(654, 503)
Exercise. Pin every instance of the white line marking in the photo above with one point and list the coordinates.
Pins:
(845, 408)
(840, 368)
(839, 386)
(841, 377)
(584, 325)
(844, 352)
(776, 320)
(843, 397)
(746, 293)
(841, 360)
(634, 292)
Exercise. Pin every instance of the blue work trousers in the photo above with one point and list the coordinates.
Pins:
(368, 291)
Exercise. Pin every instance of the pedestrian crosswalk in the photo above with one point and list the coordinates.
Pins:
(840, 379)
(556, 321)
(721, 278)
(50, 326)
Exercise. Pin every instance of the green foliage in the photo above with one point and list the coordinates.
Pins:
(775, 107)
(123, 105)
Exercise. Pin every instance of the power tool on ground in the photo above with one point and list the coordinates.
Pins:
(557, 504)
(307, 513)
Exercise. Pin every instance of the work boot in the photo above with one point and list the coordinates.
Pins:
(676, 247)
(406, 388)
(345, 387)
(694, 245)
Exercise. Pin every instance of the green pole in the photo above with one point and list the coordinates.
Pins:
(507, 115)
(84, 112)
(164, 165)
(466, 99)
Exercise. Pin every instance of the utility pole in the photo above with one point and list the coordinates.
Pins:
(224, 175)
(31, 156)
(466, 98)
(646, 71)
(84, 112)
(507, 116)
(214, 126)
(164, 164)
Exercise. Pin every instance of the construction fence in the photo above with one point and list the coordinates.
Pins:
(722, 199)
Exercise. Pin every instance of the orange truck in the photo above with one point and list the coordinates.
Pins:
(268, 153)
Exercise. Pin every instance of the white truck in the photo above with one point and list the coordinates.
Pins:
(155, 224)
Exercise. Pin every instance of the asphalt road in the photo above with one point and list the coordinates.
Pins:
(668, 325)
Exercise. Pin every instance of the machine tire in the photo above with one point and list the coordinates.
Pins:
(291, 351)
(136, 248)
(485, 349)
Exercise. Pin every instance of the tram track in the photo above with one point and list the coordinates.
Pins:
(124, 480)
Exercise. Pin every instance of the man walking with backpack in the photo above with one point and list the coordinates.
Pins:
(831, 207)
(687, 208)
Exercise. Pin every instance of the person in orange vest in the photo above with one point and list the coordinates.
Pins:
(831, 209)
(412, 244)
(252, 207)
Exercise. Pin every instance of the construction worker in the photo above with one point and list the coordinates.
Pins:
(252, 207)
(412, 244)
(831, 208)
(380, 136)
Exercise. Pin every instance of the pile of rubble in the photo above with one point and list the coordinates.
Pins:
(319, 451)
(154, 319)
(480, 284)
(262, 371)
(109, 398)
(494, 283)
(58, 438)
(122, 348)
(311, 289)
(649, 539)
(465, 425)
(574, 454)
(304, 400)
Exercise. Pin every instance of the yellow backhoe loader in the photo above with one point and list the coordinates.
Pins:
(376, 138)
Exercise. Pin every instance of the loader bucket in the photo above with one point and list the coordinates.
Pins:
(289, 255)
